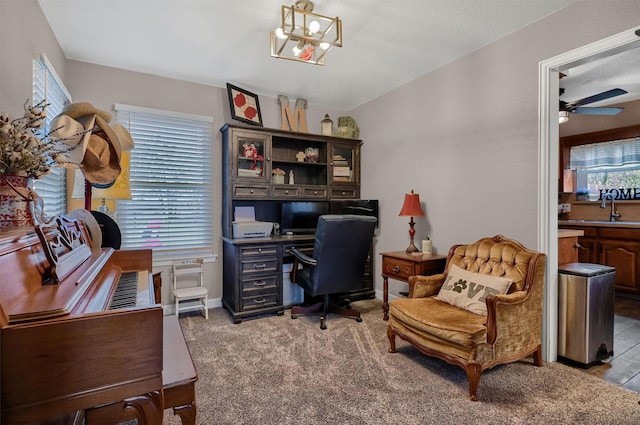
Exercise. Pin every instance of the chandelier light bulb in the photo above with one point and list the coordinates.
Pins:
(324, 45)
(280, 33)
(314, 26)
(296, 50)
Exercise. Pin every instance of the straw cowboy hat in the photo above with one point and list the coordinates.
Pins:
(126, 142)
(101, 162)
(73, 133)
(81, 109)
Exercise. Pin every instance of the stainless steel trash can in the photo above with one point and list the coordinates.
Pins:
(585, 312)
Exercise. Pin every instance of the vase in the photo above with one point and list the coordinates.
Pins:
(15, 202)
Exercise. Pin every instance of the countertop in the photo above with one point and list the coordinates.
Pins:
(570, 233)
(597, 223)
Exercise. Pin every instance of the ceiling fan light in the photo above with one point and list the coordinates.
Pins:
(563, 116)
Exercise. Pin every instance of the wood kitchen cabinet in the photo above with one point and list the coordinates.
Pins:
(613, 245)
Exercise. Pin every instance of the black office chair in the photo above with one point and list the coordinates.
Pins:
(336, 266)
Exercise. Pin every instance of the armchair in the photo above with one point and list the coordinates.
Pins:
(337, 264)
(497, 275)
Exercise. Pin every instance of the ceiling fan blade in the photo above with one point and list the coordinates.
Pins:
(598, 111)
(600, 96)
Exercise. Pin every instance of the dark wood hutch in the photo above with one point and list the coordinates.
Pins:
(252, 157)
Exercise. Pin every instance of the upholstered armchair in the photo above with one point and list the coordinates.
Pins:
(485, 309)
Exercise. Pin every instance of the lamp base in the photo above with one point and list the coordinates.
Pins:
(412, 248)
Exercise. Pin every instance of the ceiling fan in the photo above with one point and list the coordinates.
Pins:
(576, 107)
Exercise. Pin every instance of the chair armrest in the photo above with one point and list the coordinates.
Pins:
(506, 311)
(425, 286)
(299, 255)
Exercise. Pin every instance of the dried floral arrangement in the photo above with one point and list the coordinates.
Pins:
(24, 149)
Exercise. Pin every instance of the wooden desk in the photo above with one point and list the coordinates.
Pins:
(399, 265)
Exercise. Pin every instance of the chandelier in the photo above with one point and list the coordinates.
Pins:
(305, 36)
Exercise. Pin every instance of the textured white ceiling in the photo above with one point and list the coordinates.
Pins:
(386, 43)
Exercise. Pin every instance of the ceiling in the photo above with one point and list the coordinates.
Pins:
(386, 44)
(621, 70)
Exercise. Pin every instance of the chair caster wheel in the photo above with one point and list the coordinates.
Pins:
(358, 319)
(293, 316)
(323, 326)
(280, 313)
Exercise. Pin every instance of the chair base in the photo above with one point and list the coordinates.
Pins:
(324, 308)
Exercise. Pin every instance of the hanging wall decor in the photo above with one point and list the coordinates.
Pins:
(244, 105)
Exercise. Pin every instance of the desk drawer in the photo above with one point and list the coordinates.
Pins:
(258, 265)
(253, 250)
(259, 301)
(346, 193)
(261, 284)
(253, 191)
(286, 192)
(314, 192)
(398, 269)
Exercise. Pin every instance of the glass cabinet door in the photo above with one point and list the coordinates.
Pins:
(344, 164)
(251, 156)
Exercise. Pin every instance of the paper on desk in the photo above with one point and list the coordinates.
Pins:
(245, 213)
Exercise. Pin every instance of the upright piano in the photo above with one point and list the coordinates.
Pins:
(65, 349)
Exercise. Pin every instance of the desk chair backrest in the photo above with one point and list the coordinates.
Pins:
(341, 249)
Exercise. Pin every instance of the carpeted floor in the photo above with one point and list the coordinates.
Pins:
(275, 370)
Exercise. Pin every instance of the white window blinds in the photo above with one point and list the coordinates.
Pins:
(171, 181)
(52, 188)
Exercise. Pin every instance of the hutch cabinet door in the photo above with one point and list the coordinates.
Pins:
(344, 161)
(251, 156)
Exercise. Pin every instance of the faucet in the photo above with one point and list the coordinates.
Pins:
(614, 214)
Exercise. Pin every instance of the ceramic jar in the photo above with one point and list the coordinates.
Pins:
(15, 202)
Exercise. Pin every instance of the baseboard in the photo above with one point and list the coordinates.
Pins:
(169, 309)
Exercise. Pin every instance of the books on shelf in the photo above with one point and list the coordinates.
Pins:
(341, 171)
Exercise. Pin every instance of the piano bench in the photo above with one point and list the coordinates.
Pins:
(178, 375)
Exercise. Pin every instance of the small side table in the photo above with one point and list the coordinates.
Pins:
(399, 265)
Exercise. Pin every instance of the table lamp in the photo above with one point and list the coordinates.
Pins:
(411, 208)
(121, 188)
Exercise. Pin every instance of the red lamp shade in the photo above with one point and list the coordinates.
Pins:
(411, 207)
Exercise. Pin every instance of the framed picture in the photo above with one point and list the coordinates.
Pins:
(244, 105)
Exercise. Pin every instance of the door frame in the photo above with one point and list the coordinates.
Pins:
(548, 157)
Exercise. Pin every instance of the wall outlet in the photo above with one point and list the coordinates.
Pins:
(564, 208)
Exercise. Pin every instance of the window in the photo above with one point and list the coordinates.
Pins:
(608, 167)
(171, 181)
(52, 188)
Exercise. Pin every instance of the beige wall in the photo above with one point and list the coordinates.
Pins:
(465, 137)
(24, 35)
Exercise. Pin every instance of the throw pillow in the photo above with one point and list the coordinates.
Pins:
(469, 290)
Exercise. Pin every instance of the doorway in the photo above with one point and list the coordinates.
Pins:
(548, 157)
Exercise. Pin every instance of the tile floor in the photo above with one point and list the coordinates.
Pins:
(623, 368)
